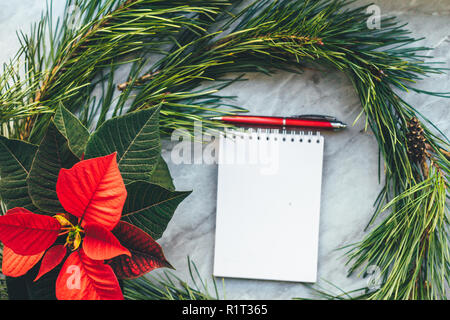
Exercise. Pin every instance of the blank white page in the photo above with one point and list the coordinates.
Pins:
(268, 205)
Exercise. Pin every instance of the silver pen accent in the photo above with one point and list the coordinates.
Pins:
(338, 125)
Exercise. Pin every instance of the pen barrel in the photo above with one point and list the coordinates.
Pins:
(258, 120)
(277, 121)
(290, 122)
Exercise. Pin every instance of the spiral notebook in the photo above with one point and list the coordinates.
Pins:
(268, 205)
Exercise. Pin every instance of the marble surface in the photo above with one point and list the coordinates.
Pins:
(350, 173)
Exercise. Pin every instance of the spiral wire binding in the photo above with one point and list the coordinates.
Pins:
(284, 134)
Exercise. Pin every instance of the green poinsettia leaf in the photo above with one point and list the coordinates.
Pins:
(16, 157)
(150, 207)
(72, 129)
(161, 175)
(52, 155)
(25, 288)
(135, 138)
(45, 287)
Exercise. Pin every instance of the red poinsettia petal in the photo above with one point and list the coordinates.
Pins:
(28, 233)
(18, 210)
(146, 253)
(51, 259)
(93, 190)
(101, 244)
(82, 278)
(16, 265)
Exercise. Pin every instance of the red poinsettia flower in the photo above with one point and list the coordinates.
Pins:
(93, 194)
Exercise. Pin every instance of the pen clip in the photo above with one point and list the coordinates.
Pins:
(315, 117)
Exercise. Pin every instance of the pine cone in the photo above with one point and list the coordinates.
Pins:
(415, 140)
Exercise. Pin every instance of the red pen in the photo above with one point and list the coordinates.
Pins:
(307, 120)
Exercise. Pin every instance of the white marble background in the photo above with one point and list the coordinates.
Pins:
(350, 176)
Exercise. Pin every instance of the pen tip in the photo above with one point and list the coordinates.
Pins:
(215, 118)
(339, 125)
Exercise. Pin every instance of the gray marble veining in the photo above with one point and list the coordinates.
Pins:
(350, 176)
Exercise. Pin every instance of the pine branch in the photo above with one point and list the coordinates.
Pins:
(274, 36)
(63, 61)
(170, 287)
(411, 245)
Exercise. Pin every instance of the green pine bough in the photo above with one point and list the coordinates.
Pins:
(62, 61)
(170, 287)
(180, 55)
